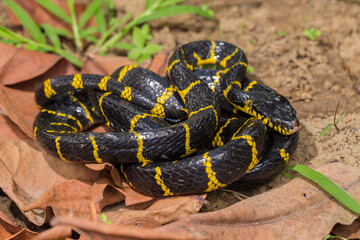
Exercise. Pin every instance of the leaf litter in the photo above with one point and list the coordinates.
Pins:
(78, 194)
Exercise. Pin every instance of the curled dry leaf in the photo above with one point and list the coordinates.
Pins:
(9, 130)
(351, 231)
(26, 173)
(100, 231)
(9, 230)
(132, 197)
(164, 210)
(72, 198)
(55, 233)
(297, 210)
(20, 108)
(32, 64)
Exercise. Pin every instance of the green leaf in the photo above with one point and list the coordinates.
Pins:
(138, 37)
(27, 22)
(249, 70)
(149, 3)
(339, 118)
(329, 186)
(325, 130)
(281, 33)
(125, 45)
(172, 11)
(152, 48)
(10, 41)
(54, 9)
(52, 35)
(134, 53)
(145, 29)
(93, 7)
(143, 58)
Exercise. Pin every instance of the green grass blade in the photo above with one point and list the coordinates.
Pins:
(100, 20)
(93, 7)
(332, 188)
(113, 40)
(150, 3)
(74, 25)
(63, 32)
(325, 130)
(339, 118)
(52, 35)
(69, 56)
(10, 35)
(54, 9)
(170, 3)
(27, 22)
(171, 11)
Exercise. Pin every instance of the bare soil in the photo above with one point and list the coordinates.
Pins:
(314, 75)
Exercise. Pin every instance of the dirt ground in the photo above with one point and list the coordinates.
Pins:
(314, 75)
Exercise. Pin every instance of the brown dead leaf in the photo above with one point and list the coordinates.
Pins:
(32, 64)
(351, 231)
(103, 65)
(72, 198)
(100, 231)
(20, 108)
(9, 230)
(164, 210)
(55, 233)
(9, 130)
(26, 173)
(142, 222)
(297, 210)
(159, 64)
(132, 197)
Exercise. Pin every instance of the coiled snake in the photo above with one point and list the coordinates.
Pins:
(193, 131)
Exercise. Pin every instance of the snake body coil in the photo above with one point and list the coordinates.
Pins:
(193, 131)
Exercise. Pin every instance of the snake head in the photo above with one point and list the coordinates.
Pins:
(262, 102)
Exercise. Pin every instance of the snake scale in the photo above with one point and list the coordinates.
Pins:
(194, 130)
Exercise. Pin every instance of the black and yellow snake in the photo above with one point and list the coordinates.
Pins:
(193, 131)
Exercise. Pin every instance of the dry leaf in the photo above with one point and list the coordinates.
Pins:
(20, 108)
(72, 198)
(32, 64)
(103, 65)
(8, 230)
(164, 210)
(297, 210)
(131, 197)
(26, 173)
(9, 130)
(55, 233)
(351, 231)
(100, 231)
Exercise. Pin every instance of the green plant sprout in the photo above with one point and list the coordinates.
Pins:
(140, 50)
(105, 219)
(311, 33)
(327, 237)
(104, 37)
(249, 70)
(281, 33)
(335, 122)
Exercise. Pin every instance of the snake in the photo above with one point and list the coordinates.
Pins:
(203, 126)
